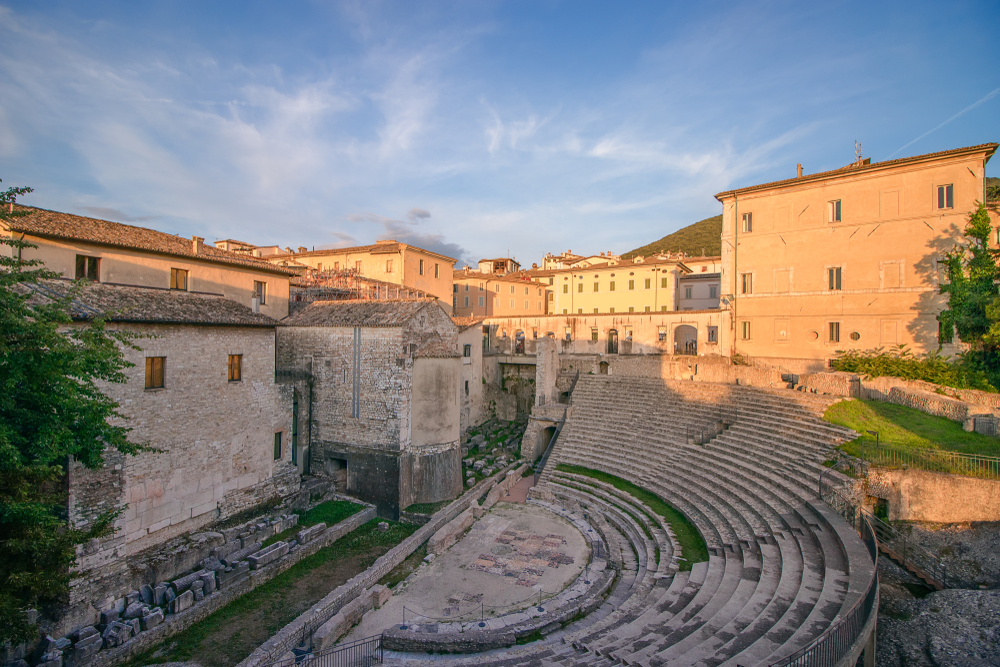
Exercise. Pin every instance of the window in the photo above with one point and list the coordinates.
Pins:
(526, 304)
(713, 334)
(454, 302)
(421, 267)
(466, 287)
(595, 286)
(663, 309)
(88, 268)
(480, 287)
(178, 279)
(596, 311)
(746, 283)
(946, 196)
(579, 288)
(661, 334)
(593, 334)
(154, 372)
(631, 309)
(647, 309)
(565, 289)
(235, 367)
(552, 281)
(357, 266)
(512, 303)
(579, 311)
(687, 292)
(713, 291)
(833, 211)
(466, 302)
(526, 291)
(748, 222)
(480, 302)
(466, 350)
(647, 283)
(454, 288)
(336, 266)
(663, 283)
(569, 334)
(611, 310)
(511, 289)
(437, 270)
(467, 384)
(631, 284)
(745, 330)
(388, 266)
(565, 311)
(277, 446)
(260, 289)
(834, 274)
(496, 288)
(834, 332)
(611, 287)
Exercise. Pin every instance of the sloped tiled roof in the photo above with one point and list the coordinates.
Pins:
(119, 303)
(435, 348)
(104, 232)
(989, 148)
(358, 313)
(386, 247)
(464, 323)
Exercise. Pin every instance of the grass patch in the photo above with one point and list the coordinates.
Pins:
(230, 634)
(428, 508)
(533, 637)
(406, 568)
(331, 513)
(693, 547)
(905, 427)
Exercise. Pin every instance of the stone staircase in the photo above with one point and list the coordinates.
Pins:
(783, 566)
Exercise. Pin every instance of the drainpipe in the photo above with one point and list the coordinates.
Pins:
(735, 279)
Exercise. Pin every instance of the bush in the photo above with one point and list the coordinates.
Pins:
(903, 363)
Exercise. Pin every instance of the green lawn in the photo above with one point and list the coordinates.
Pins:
(331, 512)
(428, 508)
(693, 547)
(905, 427)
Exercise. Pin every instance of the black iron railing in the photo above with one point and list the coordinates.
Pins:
(360, 653)
(887, 455)
(830, 647)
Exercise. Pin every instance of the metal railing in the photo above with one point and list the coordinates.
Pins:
(360, 653)
(830, 647)
(935, 460)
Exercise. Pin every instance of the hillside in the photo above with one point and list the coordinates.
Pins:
(701, 238)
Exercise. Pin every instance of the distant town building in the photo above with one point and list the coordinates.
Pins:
(700, 289)
(501, 266)
(477, 294)
(847, 259)
(113, 253)
(470, 391)
(567, 260)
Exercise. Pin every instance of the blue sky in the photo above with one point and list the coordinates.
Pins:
(471, 128)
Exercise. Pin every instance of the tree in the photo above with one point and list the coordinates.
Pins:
(973, 296)
(51, 409)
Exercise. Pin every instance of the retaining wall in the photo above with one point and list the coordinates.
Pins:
(918, 495)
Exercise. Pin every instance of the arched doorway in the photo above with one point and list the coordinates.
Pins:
(603, 367)
(685, 340)
(519, 342)
(613, 341)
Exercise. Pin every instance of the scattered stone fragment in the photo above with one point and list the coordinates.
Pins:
(146, 592)
(208, 582)
(310, 533)
(183, 601)
(116, 634)
(108, 617)
(383, 526)
(134, 610)
(51, 659)
(132, 597)
(152, 619)
(169, 596)
(160, 595)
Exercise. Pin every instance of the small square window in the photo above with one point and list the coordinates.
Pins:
(631, 284)
(746, 283)
(946, 196)
(834, 332)
(593, 334)
(596, 311)
(834, 275)
(713, 291)
(466, 350)
(260, 289)
(88, 268)
(833, 211)
(611, 310)
(565, 289)
(178, 279)
(687, 292)
(277, 446)
(713, 334)
(154, 372)
(663, 309)
(611, 286)
(647, 283)
(579, 288)
(235, 367)
(663, 283)
(631, 309)
(661, 334)
(747, 222)
(596, 286)
(388, 266)
(647, 309)
(579, 311)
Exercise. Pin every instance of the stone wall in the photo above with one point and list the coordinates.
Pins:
(671, 367)
(216, 452)
(918, 495)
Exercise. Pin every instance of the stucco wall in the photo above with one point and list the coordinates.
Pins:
(471, 403)
(918, 495)
(435, 401)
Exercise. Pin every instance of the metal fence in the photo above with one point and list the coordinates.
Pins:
(934, 460)
(360, 653)
(830, 647)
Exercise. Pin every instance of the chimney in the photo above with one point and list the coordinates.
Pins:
(196, 243)
(798, 170)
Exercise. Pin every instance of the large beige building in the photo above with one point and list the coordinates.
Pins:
(110, 252)
(616, 286)
(388, 261)
(846, 259)
(477, 294)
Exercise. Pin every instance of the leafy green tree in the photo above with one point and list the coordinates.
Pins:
(51, 410)
(973, 296)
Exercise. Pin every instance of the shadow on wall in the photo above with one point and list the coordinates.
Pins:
(924, 328)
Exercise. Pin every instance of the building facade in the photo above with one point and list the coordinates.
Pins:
(700, 289)
(385, 407)
(847, 259)
(470, 346)
(117, 254)
(477, 294)
(387, 261)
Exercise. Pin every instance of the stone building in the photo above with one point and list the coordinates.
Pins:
(389, 261)
(113, 253)
(470, 345)
(847, 259)
(384, 397)
(478, 294)
(202, 391)
(500, 266)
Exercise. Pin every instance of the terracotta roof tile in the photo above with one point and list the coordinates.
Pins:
(856, 168)
(358, 313)
(92, 230)
(464, 323)
(119, 303)
(435, 348)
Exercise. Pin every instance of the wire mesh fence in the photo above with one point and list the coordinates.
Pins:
(888, 455)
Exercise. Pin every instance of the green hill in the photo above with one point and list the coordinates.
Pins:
(701, 238)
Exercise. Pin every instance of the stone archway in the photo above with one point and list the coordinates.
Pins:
(686, 340)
